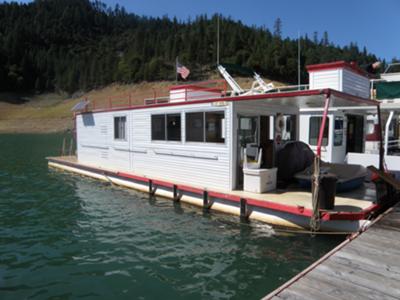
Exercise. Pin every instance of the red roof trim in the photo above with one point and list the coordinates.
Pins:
(245, 98)
(337, 65)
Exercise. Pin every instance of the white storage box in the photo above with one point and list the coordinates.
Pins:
(259, 180)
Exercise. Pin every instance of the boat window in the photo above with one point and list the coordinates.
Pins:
(174, 127)
(120, 128)
(338, 132)
(195, 127)
(289, 128)
(214, 124)
(315, 124)
(158, 127)
(205, 127)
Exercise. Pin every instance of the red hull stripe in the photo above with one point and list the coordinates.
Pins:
(295, 210)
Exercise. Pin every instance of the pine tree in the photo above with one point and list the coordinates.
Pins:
(278, 28)
(70, 45)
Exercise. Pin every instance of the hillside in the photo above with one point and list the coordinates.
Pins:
(50, 112)
(79, 45)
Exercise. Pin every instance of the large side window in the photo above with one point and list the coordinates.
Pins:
(174, 127)
(120, 128)
(214, 124)
(205, 127)
(158, 127)
(166, 127)
(315, 124)
(195, 127)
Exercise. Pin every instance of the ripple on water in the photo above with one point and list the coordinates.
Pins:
(65, 236)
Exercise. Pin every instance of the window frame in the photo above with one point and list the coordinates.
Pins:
(165, 116)
(204, 125)
(180, 127)
(221, 129)
(327, 124)
(337, 133)
(125, 131)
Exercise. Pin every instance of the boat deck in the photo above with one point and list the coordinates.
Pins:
(365, 266)
(354, 201)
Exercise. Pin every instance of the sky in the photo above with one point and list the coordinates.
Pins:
(374, 24)
(371, 23)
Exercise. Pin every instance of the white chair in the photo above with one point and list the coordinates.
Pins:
(253, 165)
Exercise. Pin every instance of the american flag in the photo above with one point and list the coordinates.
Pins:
(182, 70)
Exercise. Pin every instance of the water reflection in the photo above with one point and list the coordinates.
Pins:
(67, 236)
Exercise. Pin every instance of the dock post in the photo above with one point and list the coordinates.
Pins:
(206, 204)
(243, 209)
(152, 189)
(176, 195)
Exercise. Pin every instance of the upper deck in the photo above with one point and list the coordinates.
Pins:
(216, 91)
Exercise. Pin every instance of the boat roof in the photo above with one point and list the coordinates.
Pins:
(305, 99)
(352, 66)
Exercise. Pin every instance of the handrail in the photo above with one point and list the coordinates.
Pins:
(191, 93)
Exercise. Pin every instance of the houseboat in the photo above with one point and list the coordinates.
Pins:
(217, 149)
(387, 91)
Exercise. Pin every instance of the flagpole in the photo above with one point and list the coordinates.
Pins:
(218, 40)
(176, 70)
(298, 59)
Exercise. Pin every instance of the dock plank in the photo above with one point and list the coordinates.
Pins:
(342, 289)
(334, 288)
(360, 278)
(367, 267)
(370, 262)
(298, 292)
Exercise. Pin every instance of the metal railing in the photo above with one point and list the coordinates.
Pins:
(190, 92)
(187, 92)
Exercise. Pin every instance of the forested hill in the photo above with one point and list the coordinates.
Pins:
(70, 45)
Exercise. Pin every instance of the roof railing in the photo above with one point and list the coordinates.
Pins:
(189, 92)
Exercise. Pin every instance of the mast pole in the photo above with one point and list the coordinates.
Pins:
(218, 39)
(176, 70)
(298, 60)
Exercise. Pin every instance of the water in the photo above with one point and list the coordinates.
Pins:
(63, 236)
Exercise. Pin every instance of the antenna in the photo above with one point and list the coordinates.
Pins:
(298, 60)
(218, 39)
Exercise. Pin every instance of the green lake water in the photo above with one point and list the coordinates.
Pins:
(63, 236)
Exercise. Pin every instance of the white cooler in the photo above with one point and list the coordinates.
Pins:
(259, 180)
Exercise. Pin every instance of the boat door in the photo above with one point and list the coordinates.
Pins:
(247, 135)
(355, 133)
(339, 142)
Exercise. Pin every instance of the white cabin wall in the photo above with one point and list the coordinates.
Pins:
(96, 144)
(325, 79)
(194, 163)
(355, 84)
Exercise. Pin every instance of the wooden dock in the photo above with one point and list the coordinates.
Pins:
(364, 266)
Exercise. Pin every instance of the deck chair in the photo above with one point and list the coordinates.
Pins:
(256, 164)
